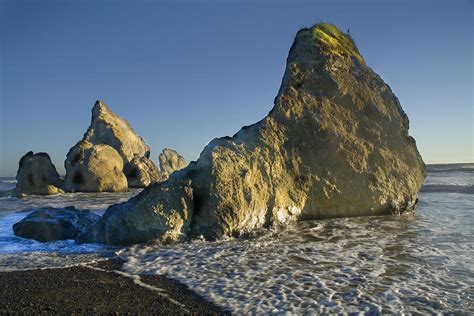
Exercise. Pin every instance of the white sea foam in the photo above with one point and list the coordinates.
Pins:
(22, 254)
(416, 263)
(378, 264)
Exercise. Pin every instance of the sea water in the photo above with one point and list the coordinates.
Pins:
(422, 262)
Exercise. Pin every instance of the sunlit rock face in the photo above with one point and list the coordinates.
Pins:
(37, 176)
(171, 161)
(163, 210)
(94, 168)
(109, 129)
(335, 144)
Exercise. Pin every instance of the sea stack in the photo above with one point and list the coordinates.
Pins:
(110, 157)
(37, 176)
(171, 161)
(335, 144)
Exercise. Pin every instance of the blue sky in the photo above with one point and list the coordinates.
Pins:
(185, 72)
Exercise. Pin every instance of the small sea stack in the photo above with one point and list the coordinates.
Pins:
(110, 157)
(171, 161)
(37, 176)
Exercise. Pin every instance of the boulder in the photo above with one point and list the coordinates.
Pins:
(47, 224)
(171, 161)
(107, 128)
(141, 172)
(135, 221)
(94, 168)
(37, 175)
(335, 144)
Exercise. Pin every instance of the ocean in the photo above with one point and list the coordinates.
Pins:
(422, 262)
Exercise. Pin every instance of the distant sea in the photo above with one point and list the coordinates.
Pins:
(422, 262)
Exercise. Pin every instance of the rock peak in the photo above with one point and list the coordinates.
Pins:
(171, 161)
(329, 40)
(99, 107)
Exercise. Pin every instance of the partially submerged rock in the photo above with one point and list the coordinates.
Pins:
(47, 224)
(163, 211)
(171, 161)
(335, 144)
(109, 129)
(94, 168)
(37, 176)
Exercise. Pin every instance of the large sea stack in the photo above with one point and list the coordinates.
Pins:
(335, 144)
(110, 157)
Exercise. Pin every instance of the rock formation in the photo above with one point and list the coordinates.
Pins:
(142, 172)
(164, 211)
(171, 161)
(335, 144)
(37, 175)
(107, 128)
(94, 168)
(46, 224)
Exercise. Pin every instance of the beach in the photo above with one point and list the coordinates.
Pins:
(98, 289)
(419, 262)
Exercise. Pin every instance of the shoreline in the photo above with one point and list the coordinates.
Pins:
(97, 288)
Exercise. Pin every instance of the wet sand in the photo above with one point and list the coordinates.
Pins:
(98, 288)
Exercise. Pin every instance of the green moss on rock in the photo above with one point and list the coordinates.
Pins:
(333, 41)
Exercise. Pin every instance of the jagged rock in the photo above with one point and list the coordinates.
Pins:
(141, 172)
(37, 175)
(171, 161)
(335, 144)
(47, 224)
(108, 128)
(94, 168)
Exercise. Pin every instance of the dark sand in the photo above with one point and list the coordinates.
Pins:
(86, 290)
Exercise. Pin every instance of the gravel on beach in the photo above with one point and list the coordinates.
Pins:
(97, 289)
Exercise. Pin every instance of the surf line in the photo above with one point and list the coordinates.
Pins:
(138, 281)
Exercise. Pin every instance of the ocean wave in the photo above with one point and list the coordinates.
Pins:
(467, 168)
(450, 188)
(7, 181)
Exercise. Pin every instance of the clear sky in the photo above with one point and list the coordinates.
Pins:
(185, 72)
